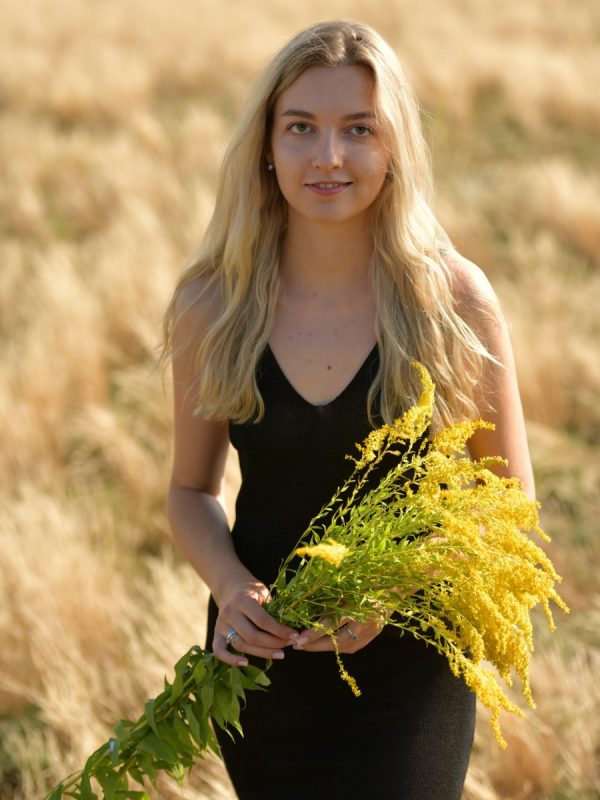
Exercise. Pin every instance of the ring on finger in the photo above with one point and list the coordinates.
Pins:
(230, 634)
(353, 636)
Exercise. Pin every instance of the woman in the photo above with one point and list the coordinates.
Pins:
(323, 273)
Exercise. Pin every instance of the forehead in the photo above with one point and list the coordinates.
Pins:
(322, 90)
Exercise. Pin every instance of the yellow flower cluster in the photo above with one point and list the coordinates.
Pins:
(407, 428)
(454, 439)
(344, 673)
(445, 525)
(330, 551)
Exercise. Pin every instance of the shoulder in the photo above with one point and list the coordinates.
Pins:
(195, 307)
(496, 395)
(474, 297)
(469, 284)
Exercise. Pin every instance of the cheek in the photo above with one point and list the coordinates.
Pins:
(380, 160)
(290, 183)
(375, 166)
(289, 161)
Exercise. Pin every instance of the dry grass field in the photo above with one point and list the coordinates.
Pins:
(113, 117)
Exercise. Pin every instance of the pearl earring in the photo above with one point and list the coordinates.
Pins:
(271, 167)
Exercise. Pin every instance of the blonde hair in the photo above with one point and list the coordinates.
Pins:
(410, 276)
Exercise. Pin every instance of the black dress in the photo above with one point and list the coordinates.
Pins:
(409, 735)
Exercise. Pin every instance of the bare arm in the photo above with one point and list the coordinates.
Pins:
(198, 521)
(498, 398)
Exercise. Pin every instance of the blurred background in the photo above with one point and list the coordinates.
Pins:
(113, 118)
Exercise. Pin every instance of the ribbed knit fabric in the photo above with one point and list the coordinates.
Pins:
(409, 735)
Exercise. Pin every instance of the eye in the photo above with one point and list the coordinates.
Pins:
(299, 127)
(361, 130)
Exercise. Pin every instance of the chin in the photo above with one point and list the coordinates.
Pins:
(327, 216)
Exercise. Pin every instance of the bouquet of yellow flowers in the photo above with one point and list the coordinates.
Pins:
(438, 547)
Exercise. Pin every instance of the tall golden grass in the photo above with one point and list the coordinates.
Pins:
(113, 117)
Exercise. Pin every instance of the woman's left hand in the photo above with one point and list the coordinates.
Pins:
(350, 636)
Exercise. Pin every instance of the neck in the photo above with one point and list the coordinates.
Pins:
(327, 259)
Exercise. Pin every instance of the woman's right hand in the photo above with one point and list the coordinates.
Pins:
(258, 633)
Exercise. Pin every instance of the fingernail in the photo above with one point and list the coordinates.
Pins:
(243, 663)
(279, 654)
(302, 640)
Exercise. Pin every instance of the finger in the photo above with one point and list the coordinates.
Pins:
(316, 640)
(248, 631)
(314, 634)
(238, 648)
(220, 651)
(365, 633)
(266, 622)
(248, 648)
(345, 643)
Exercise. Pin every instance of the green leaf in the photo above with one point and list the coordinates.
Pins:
(183, 662)
(167, 734)
(56, 793)
(155, 746)
(200, 672)
(137, 775)
(247, 682)
(86, 788)
(236, 724)
(180, 667)
(162, 698)
(113, 749)
(121, 732)
(261, 679)
(224, 706)
(149, 711)
(235, 682)
(147, 767)
(207, 693)
(183, 734)
(193, 724)
(208, 736)
(177, 687)
(223, 695)
(110, 781)
(233, 709)
(178, 773)
(224, 725)
(217, 715)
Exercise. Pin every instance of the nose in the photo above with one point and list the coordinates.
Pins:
(328, 151)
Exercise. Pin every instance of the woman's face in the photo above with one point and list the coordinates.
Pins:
(330, 159)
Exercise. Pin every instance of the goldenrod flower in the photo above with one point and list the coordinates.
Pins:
(330, 551)
(454, 439)
(478, 571)
(345, 674)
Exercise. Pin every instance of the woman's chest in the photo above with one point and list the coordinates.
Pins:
(320, 349)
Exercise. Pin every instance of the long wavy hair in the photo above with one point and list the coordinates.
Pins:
(410, 276)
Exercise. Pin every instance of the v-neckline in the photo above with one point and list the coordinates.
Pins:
(338, 396)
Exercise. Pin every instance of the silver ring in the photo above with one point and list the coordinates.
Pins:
(353, 636)
(230, 634)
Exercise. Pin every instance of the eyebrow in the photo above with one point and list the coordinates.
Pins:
(296, 112)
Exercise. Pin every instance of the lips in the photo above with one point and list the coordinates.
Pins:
(329, 184)
(328, 187)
